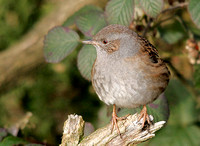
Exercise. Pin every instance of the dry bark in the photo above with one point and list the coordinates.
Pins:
(131, 132)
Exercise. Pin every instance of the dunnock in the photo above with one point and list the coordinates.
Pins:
(127, 71)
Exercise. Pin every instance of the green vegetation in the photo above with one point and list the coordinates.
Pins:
(52, 91)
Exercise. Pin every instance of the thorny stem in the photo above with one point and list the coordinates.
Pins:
(180, 5)
(147, 28)
(164, 20)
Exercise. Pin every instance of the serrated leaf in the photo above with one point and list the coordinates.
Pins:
(194, 10)
(120, 12)
(58, 43)
(197, 75)
(182, 104)
(176, 136)
(11, 140)
(172, 33)
(71, 20)
(91, 22)
(86, 58)
(192, 27)
(138, 11)
(152, 7)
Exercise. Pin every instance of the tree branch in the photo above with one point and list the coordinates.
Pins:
(150, 20)
(131, 131)
(180, 5)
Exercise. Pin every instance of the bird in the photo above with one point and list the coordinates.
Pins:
(128, 71)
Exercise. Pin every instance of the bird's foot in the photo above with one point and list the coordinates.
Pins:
(145, 116)
(115, 118)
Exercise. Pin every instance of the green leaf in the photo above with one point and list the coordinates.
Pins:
(86, 58)
(138, 11)
(197, 75)
(11, 140)
(182, 104)
(152, 7)
(71, 20)
(176, 136)
(91, 22)
(58, 43)
(172, 33)
(194, 10)
(120, 12)
(3, 133)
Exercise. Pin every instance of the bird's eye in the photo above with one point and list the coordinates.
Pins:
(104, 41)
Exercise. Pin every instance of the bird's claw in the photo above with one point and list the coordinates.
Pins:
(145, 116)
(115, 118)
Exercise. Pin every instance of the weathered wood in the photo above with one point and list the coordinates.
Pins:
(130, 129)
(72, 130)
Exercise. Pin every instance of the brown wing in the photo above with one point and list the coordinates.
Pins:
(147, 47)
(157, 68)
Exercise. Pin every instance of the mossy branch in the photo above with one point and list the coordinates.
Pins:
(131, 132)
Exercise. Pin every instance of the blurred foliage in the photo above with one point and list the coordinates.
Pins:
(52, 91)
(17, 18)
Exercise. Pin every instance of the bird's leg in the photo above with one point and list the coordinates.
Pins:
(115, 118)
(144, 115)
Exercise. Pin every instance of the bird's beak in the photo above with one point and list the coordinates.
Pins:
(91, 42)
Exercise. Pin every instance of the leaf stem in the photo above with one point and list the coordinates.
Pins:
(180, 5)
(148, 27)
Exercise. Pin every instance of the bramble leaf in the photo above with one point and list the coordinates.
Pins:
(179, 96)
(120, 12)
(11, 140)
(172, 33)
(176, 136)
(59, 42)
(194, 9)
(91, 22)
(86, 58)
(152, 7)
(72, 19)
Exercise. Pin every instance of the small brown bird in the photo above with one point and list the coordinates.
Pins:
(127, 72)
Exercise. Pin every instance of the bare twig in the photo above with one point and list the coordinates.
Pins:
(147, 28)
(131, 131)
(180, 5)
(164, 20)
